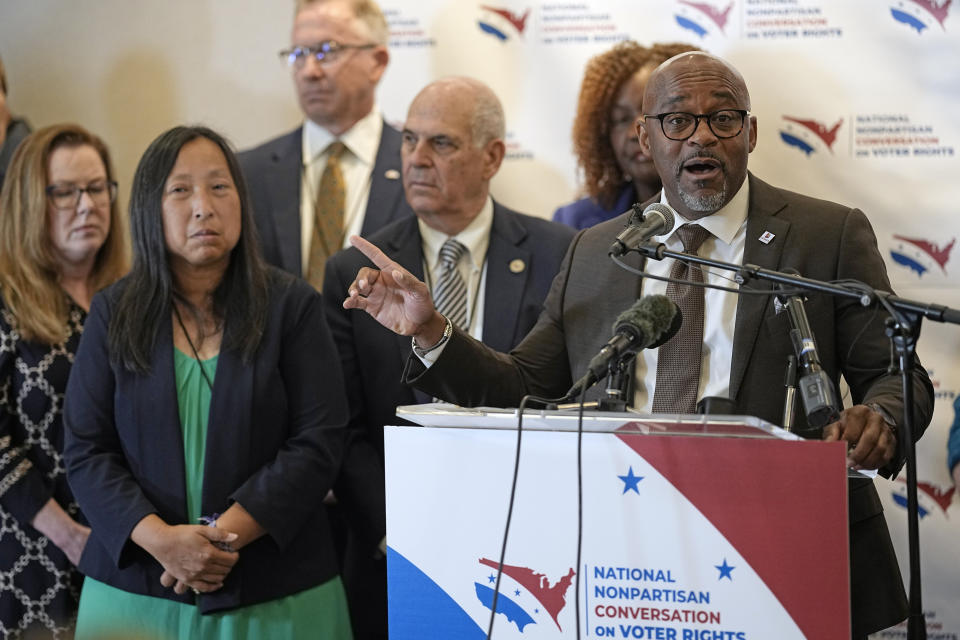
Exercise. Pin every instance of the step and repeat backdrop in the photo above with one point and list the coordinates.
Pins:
(856, 102)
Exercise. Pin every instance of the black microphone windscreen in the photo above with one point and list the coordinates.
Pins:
(656, 317)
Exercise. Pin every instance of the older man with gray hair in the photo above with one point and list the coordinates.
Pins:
(489, 269)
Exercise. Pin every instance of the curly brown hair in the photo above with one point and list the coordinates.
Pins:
(605, 73)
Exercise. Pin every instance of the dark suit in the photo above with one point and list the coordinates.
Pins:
(373, 357)
(273, 171)
(822, 240)
(274, 440)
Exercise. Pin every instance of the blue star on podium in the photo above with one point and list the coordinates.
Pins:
(631, 481)
(725, 570)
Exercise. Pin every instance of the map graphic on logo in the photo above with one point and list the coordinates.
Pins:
(941, 498)
(515, 605)
(920, 255)
(704, 14)
(497, 18)
(805, 137)
(917, 14)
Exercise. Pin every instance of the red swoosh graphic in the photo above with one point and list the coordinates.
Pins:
(720, 18)
(552, 597)
(940, 13)
(519, 22)
(940, 256)
(828, 136)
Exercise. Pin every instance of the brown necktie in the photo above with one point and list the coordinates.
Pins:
(678, 362)
(328, 210)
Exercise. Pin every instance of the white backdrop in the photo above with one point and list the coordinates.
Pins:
(854, 100)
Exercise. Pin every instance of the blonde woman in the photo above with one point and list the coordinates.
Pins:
(60, 241)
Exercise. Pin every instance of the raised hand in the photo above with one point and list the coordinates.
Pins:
(394, 297)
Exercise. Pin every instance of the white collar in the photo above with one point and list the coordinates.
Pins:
(362, 139)
(475, 237)
(725, 223)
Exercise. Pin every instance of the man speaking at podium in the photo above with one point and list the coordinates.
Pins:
(698, 131)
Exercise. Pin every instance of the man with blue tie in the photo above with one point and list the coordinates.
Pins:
(489, 269)
(338, 174)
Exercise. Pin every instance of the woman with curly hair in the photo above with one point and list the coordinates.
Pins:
(616, 173)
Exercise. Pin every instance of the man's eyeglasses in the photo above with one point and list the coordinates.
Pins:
(326, 52)
(67, 196)
(679, 125)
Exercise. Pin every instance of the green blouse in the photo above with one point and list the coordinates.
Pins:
(105, 611)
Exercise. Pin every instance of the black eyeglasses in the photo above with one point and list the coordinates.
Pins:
(325, 52)
(679, 125)
(67, 196)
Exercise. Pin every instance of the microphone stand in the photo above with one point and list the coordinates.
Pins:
(615, 395)
(790, 386)
(903, 328)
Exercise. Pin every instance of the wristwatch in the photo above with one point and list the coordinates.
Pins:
(887, 418)
(447, 332)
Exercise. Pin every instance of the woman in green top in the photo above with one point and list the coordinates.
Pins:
(205, 422)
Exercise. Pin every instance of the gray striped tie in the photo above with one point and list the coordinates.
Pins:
(450, 292)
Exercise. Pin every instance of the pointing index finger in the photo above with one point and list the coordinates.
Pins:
(379, 258)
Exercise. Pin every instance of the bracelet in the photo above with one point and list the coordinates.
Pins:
(447, 332)
(211, 521)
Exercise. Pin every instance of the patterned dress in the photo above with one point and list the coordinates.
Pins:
(39, 588)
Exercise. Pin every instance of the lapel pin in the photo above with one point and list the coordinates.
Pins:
(517, 265)
(766, 237)
(391, 174)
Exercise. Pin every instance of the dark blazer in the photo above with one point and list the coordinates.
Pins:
(273, 171)
(274, 442)
(822, 240)
(587, 212)
(523, 257)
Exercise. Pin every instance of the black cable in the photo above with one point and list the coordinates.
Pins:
(576, 583)
(706, 285)
(513, 493)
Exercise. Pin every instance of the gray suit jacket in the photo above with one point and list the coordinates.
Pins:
(820, 239)
(273, 171)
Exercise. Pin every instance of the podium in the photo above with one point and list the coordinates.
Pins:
(694, 527)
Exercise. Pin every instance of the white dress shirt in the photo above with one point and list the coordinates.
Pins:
(362, 141)
(473, 266)
(729, 229)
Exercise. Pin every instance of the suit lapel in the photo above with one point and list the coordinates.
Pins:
(765, 204)
(167, 438)
(284, 182)
(508, 272)
(386, 189)
(404, 248)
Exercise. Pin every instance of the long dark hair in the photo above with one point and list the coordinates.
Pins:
(147, 293)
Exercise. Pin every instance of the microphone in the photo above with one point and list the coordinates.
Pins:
(815, 386)
(648, 323)
(655, 220)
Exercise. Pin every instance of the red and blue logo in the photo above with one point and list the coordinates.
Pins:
(702, 18)
(929, 497)
(529, 597)
(919, 14)
(809, 135)
(920, 255)
(499, 22)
